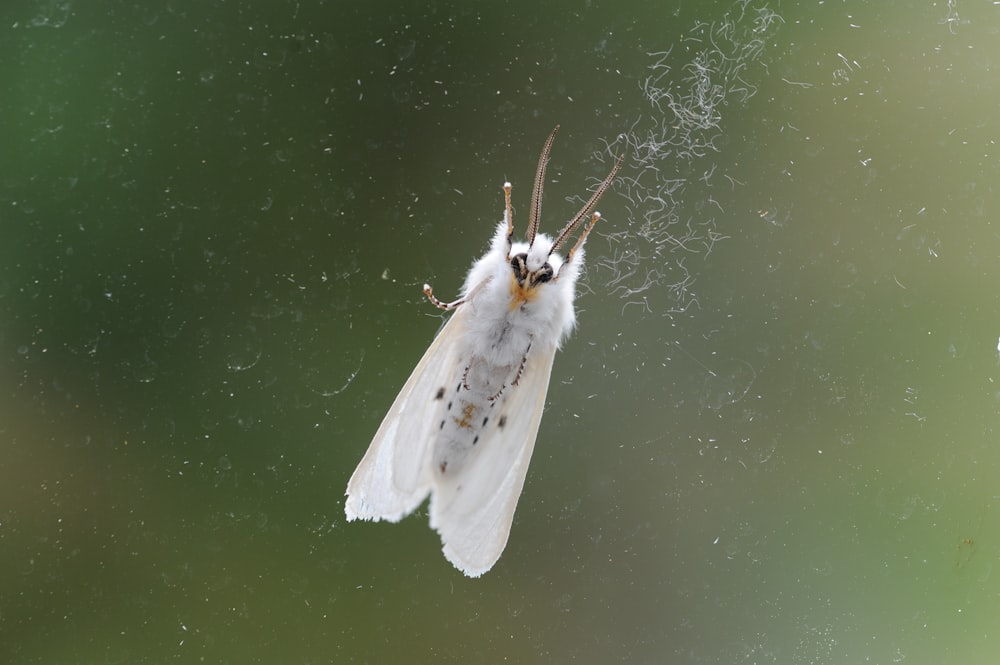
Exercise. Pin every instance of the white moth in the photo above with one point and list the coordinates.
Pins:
(463, 427)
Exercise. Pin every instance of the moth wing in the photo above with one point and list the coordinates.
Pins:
(473, 510)
(393, 477)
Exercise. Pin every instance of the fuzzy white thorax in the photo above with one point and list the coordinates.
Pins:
(503, 329)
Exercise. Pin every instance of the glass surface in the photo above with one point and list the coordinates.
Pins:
(773, 437)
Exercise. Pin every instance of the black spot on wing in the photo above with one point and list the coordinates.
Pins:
(485, 420)
(503, 422)
(475, 440)
(440, 393)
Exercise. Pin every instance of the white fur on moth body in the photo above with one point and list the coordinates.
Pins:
(463, 427)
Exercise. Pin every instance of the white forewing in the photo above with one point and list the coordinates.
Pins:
(394, 476)
(473, 509)
(425, 445)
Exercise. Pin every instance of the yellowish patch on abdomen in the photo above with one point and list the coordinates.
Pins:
(468, 411)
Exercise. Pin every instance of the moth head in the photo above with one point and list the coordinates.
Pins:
(540, 264)
(530, 269)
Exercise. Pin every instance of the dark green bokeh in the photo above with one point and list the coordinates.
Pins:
(771, 439)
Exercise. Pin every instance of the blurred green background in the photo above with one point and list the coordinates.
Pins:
(772, 438)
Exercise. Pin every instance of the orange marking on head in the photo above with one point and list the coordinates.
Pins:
(519, 295)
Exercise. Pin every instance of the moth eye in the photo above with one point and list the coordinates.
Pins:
(519, 264)
(544, 273)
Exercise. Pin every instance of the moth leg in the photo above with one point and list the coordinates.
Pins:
(447, 306)
(520, 369)
(579, 241)
(465, 377)
(517, 376)
(494, 396)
